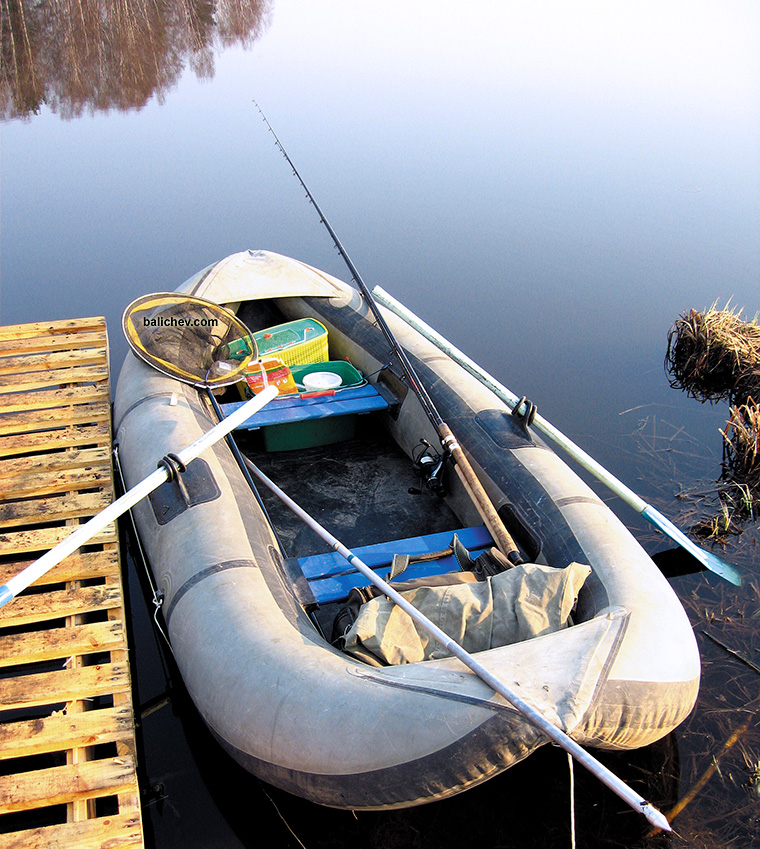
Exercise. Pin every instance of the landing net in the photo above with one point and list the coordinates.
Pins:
(191, 339)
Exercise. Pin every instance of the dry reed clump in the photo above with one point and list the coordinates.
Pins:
(741, 447)
(715, 355)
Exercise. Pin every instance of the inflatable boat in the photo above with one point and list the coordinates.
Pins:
(304, 675)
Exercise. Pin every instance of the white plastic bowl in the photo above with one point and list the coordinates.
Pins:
(322, 380)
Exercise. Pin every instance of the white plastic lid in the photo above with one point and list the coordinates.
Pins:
(322, 380)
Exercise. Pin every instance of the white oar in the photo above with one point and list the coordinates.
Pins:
(652, 515)
(85, 532)
(637, 802)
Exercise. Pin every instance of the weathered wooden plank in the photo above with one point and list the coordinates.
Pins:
(47, 483)
(31, 420)
(67, 436)
(55, 377)
(61, 731)
(42, 607)
(51, 344)
(111, 832)
(39, 540)
(63, 784)
(35, 646)
(40, 421)
(66, 685)
(14, 332)
(77, 505)
(50, 398)
(76, 458)
(43, 539)
(26, 363)
(75, 567)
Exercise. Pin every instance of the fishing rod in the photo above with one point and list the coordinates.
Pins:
(449, 442)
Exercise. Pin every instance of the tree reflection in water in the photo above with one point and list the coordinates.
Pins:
(97, 55)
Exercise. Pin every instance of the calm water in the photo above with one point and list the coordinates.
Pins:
(548, 184)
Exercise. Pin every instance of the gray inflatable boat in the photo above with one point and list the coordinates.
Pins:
(253, 600)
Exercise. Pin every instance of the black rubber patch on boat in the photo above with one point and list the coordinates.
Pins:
(196, 485)
(503, 429)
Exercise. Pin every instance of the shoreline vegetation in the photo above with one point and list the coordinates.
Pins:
(714, 356)
(78, 56)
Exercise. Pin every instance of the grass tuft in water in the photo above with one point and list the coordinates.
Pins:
(715, 355)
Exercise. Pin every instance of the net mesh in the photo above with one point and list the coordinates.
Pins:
(191, 339)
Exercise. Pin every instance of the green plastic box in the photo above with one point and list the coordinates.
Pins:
(309, 434)
(296, 342)
(348, 374)
(314, 432)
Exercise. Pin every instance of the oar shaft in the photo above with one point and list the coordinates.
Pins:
(647, 511)
(606, 776)
(86, 532)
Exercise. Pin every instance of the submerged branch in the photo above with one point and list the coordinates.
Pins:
(732, 740)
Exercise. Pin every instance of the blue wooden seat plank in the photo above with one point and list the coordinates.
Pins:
(331, 577)
(289, 409)
(323, 565)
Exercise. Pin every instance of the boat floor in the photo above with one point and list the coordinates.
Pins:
(363, 491)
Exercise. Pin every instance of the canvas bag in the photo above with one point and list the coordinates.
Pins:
(518, 604)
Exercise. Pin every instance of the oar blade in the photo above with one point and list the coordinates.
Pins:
(706, 558)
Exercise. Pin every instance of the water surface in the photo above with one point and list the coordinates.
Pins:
(549, 185)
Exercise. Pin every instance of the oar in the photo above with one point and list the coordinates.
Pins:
(464, 470)
(85, 532)
(707, 559)
(606, 776)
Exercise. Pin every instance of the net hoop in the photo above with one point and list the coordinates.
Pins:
(190, 339)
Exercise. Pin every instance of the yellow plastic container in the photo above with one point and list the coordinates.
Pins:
(295, 342)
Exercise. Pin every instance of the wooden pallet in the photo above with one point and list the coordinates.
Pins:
(67, 735)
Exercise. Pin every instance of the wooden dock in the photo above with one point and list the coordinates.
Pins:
(67, 735)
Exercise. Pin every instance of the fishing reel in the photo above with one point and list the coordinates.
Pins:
(430, 466)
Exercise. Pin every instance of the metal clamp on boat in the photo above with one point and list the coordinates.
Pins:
(185, 487)
(525, 418)
(174, 467)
